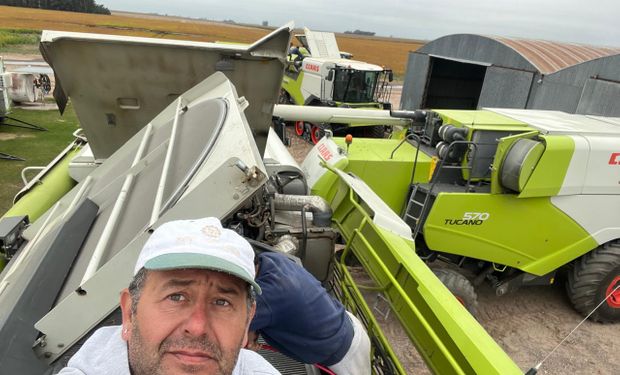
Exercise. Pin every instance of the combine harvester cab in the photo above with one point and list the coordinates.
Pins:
(160, 151)
(508, 196)
(319, 75)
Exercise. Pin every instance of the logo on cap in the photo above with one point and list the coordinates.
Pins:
(212, 232)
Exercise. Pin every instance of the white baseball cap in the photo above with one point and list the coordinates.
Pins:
(200, 243)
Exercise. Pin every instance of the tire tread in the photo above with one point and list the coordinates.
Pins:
(586, 276)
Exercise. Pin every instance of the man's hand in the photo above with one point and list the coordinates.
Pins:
(253, 341)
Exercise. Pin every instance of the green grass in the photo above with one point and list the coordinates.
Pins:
(22, 49)
(18, 36)
(37, 147)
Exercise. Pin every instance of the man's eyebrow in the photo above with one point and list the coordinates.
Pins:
(175, 283)
(229, 289)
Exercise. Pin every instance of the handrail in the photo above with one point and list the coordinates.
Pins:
(164, 173)
(447, 337)
(110, 225)
(29, 169)
(442, 162)
(416, 138)
(435, 178)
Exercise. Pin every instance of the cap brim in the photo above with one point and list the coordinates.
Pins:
(192, 260)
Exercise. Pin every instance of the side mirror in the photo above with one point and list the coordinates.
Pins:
(390, 76)
(330, 75)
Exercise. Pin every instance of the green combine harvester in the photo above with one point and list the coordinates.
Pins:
(319, 74)
(155, 151)
(506, 196)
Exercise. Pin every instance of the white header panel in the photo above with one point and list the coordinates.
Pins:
(322, 44)
(556, 122)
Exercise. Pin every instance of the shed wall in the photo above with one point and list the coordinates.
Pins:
(416, 77)
(505, 88)
(511, 81)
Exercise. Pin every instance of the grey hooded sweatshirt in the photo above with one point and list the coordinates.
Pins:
(105, 353)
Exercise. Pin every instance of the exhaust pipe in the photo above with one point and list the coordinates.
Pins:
(321, 212)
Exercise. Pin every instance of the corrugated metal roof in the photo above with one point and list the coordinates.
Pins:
(549, 57)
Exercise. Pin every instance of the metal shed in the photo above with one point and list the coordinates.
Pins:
(466, 71)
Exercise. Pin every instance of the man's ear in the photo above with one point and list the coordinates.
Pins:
(247, 327)
(126, 313)
(252, 312)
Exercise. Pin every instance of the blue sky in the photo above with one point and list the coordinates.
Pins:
(579, 21)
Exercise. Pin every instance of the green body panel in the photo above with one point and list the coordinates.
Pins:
(502, 149)
(547, 178)
(369, 159)
(293, 87)
(398, 132)
(55, 184)
(528, 234)
(449, 339)
(528, 165)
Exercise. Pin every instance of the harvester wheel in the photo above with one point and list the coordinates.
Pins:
(300, 128)
(284, 97)
(460, 286)
(595, 276)
(377, 131)
(316, 133)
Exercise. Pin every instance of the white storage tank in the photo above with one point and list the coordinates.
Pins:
(22, 88)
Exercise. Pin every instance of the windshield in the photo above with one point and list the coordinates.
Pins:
(354, 86)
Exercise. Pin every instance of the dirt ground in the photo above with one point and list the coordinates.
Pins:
(527, 324)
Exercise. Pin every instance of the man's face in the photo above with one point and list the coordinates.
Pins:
(186, 322)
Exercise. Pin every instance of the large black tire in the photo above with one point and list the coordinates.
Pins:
(376, 131)
(284, 97)
(460, 286)
(592, 278)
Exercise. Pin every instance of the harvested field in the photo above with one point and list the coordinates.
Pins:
(390, 52)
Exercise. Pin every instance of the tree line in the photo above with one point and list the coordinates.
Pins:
(83, 6)
(360, 32)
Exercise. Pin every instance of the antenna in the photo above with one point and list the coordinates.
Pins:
(534, 370)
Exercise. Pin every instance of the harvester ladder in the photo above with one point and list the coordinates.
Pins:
(383, 90)
(415, 208)
(416, 218)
